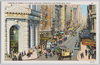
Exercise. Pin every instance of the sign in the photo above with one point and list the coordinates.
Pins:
(48, 45)
(89, 43)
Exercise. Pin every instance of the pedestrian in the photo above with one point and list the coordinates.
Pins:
(24, 52)
(75, 44)
(89, 56)
(28, 55)
(46, 55)
(50, 54)
(92, 56)
(57, 53)
(15, 58)
(82, 55)
(58, 56)
(53, 52)
(90, 53)
(40, 53)
(20, 57)
(70, 56)
(86, 52)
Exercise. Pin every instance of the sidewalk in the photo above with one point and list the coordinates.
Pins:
(33, 56)
(83, 48)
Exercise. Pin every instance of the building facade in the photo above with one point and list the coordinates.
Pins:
(58, 18)
(22, 28)
(92, 20)
(63, 18)
(46, 21)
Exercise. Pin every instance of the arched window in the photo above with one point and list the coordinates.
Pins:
(14, 39)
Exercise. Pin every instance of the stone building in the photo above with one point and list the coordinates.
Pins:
(21, 27)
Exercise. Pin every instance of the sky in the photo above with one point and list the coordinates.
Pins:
(84, 9)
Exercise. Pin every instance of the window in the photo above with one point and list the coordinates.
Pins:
(30, 6)
(34, 7)
(14, 39)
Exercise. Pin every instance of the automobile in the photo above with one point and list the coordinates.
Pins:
(52, 48)
(60, 41)
(65, 38)
(74, 33)
(80, 28)
(54, 45)
(76, 46)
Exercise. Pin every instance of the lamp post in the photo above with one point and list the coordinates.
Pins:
(41, 29)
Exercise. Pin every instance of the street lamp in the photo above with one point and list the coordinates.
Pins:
(41, 28)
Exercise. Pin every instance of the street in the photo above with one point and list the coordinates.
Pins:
(69, 43)
(49, 32)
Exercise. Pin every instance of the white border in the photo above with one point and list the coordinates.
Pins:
(51, 62)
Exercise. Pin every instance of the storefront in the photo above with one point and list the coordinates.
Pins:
(89, 42)
(91, 46)
(43, 42)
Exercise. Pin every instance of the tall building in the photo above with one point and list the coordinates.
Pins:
(63, 18)
(53, 20)
(21, 27)
(58, 18)
(46, 21)
(45, 25)
(80, 18)
(92, 20)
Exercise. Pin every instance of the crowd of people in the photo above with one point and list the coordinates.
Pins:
(90, 53)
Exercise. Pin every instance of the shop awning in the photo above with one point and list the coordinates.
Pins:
(89, 42)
